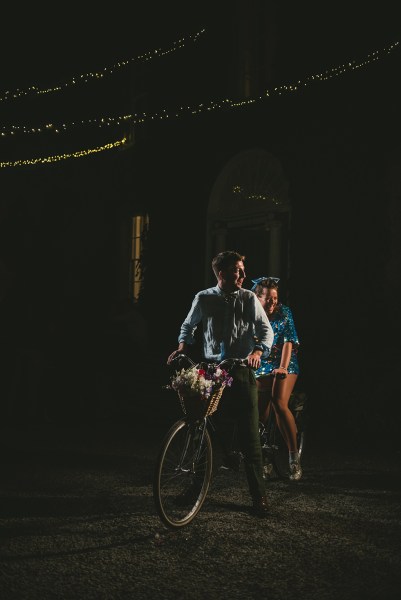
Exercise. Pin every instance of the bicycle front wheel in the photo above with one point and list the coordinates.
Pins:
(183, 473)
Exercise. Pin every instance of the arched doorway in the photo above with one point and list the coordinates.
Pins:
(249, 211)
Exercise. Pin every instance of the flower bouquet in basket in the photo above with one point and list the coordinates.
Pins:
(200, 389)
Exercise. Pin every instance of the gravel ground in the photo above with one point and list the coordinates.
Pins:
(78, 521)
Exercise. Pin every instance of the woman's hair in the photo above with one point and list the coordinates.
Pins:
(266, 282)
(225, 259)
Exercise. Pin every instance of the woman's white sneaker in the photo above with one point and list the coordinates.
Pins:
(295, 470)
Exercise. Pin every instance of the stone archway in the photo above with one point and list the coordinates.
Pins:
(249, 211)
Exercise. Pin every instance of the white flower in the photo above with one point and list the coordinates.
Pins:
(200, 381)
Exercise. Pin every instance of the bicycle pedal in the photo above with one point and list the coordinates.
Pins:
(232, 462)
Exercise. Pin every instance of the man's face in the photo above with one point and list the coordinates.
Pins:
(233, 277)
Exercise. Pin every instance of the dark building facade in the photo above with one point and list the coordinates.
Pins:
(240, 146)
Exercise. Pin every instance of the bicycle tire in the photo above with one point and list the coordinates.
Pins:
(183, 473)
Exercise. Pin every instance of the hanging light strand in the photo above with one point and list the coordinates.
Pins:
(99, 75)
(136, 119)
(45, 160)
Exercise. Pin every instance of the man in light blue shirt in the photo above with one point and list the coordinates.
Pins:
(234, 326)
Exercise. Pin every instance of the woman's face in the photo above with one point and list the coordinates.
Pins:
(268, 299)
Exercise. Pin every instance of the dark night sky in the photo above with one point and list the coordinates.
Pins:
(41, 47)
(44, 48)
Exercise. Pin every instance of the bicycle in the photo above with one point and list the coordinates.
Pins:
(184, 463)
(274, 448)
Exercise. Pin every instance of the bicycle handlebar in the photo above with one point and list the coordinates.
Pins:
(228, 363)
(243, 362)
(232, 362)
(183, 357)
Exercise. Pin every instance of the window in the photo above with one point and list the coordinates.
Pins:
(139, 233)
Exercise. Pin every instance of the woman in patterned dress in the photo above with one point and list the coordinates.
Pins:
(277, 375)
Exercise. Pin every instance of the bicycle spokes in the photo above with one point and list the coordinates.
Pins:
(183, 473)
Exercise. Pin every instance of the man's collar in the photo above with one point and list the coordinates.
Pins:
(228, 295)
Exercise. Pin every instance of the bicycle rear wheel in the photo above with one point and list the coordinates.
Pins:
(183, 472)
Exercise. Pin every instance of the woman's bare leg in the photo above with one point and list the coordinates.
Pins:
(281, 393)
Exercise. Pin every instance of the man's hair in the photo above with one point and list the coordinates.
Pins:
(225, 259)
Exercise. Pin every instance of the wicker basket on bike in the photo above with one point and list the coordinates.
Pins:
(200, 388)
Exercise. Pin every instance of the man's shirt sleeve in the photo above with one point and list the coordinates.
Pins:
(188, 328)
(263, 329)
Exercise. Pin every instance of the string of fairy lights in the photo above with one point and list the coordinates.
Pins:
(99, 75)
(135, 119)
(58, 157)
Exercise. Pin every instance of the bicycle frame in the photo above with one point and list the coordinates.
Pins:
(184, 467)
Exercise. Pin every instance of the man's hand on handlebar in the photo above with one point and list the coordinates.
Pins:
(182, 348)
(173, 355)
(254, 360)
